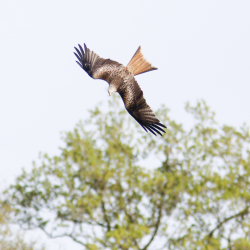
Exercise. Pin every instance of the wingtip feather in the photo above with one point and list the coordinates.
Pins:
(81, 49)
(151, 131)
(78, 52)
(85, 47)
(160, 124)
(79, 64)
(156, 130)
(77, 56)
(157, 127)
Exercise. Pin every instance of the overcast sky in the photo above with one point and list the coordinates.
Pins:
(201, 49)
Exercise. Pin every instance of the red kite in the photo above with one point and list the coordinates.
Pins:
(121, 79)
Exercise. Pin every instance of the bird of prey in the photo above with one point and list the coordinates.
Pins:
(121, 79)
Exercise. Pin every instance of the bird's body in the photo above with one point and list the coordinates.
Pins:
(121, 79)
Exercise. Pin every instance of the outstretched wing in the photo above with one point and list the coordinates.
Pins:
(138, 108)
(94, 65)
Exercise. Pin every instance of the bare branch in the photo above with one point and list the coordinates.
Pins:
(62, 235)
(105, 216)
(157, 223)
(240, 214)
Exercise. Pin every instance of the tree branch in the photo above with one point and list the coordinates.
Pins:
(88, 222)
(131, 220)
(62, 235)
(240, 214)
(105, 216)
(157, 223)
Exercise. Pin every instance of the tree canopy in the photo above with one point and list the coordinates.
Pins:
(194, 195)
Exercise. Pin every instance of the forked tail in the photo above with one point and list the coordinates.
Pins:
(138, 64)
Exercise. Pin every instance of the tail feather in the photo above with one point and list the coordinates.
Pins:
(138, 64)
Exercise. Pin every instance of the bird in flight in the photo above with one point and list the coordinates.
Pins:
(121, 79)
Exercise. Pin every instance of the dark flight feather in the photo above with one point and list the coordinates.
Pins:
(94, 65)
(138, 108)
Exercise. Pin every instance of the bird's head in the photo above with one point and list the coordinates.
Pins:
(112, 89)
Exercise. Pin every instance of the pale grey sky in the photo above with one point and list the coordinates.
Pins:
(201, 49)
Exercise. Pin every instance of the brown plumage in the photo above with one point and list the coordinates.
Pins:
(121, 79)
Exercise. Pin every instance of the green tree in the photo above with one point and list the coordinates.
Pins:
(195, 195)
(8, 239)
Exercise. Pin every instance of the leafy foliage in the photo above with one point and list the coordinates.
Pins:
(195, 195)
(8, 239)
